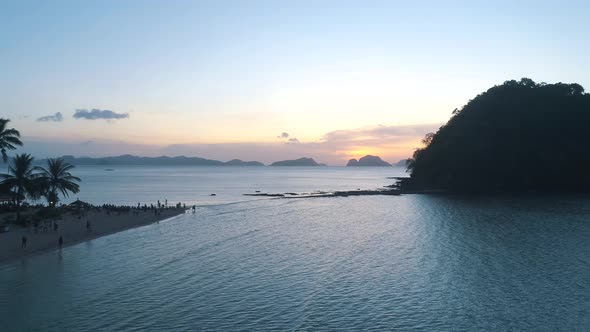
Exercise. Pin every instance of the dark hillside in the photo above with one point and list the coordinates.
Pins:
(516, 137)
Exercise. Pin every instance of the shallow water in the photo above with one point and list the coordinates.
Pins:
(194, 185)
(411, 262)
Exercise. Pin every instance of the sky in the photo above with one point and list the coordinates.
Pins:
(268, 80)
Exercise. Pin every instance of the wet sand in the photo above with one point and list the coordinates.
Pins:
(73, 229)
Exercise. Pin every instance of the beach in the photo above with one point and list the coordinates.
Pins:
(75, 228)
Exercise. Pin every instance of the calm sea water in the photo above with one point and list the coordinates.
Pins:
(411, 262)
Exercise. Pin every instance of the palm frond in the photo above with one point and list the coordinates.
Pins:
(10, 132)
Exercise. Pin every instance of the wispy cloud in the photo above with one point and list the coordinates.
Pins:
(391, 143)
(378, 133)
(97, 114)
(287, 138)
(57, 117)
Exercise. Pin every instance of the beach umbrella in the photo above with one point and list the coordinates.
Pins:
(79, 204)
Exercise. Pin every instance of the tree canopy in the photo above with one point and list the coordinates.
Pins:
(9, 139)
(516, 137)
(56, 179)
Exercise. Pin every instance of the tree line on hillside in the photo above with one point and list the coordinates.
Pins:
(520, 136)
(23, 179)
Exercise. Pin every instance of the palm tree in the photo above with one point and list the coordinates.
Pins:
(56, 178)
(9, 138)
(20, 177)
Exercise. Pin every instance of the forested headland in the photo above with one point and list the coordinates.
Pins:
(520, 136)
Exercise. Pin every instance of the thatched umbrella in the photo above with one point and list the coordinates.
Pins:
(79, 204)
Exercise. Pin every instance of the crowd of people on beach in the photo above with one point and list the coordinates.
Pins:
(82, 210)
(135, 210)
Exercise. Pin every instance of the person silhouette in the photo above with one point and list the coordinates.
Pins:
(23, 242)
(60, 241)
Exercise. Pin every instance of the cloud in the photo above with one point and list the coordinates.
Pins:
(285, 136)
(379, 133)
(57, 117)
(97, 114)
(391, 143)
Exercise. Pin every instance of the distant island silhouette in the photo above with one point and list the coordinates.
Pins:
(516, 137)
(297, 162)
(132, 160)
(368, 160)
(156, 161)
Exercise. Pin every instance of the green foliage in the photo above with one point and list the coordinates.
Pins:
(9, 139)
(56, 178)
(35, 182)
(22, 179)
(519, 136)
(21, 176)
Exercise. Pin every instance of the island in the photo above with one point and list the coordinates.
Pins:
(518, 137)
(154, 161)
(296, 162)
(368, 160)
(238, 162)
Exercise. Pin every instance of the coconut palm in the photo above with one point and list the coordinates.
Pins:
(9, 139)
(56, 179)
(22, 179)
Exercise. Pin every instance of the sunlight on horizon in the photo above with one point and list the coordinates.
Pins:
(210, 73)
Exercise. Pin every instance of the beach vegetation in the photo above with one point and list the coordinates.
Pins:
(520, 136)
(22, 180)
(9, 139)
(56, 179)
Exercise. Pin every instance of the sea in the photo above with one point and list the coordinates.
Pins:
(364, 263)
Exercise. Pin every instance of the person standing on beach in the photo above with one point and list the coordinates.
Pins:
(60, 241)
(88, 226)
(23, 242)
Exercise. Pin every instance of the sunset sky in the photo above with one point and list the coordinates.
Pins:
(226, 79)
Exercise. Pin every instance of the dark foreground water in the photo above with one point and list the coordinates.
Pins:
(412, 262)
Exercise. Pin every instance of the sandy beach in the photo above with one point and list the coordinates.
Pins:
(73, 229)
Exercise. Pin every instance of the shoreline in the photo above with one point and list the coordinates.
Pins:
(72, 229)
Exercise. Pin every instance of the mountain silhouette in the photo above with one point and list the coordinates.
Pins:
(516, 137)
(296, 162)
(156, 161)
(368, 160)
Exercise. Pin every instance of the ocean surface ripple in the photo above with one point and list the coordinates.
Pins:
(411, 262)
